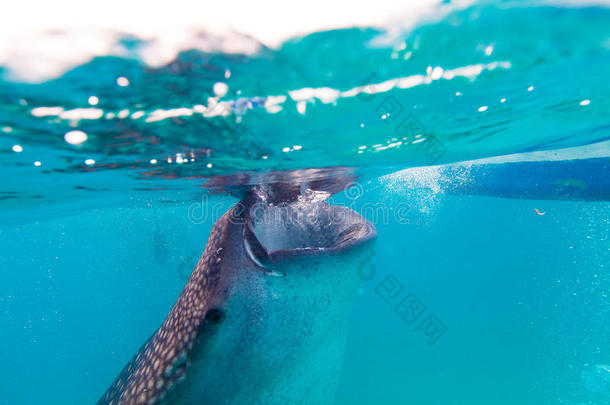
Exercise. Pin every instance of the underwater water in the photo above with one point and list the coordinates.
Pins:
(477, 142)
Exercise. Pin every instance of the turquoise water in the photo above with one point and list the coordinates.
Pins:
(478, 144)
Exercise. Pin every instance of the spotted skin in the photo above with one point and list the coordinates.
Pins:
(164, 359)
(283, 336)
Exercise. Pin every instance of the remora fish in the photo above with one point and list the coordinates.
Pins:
(263, 317)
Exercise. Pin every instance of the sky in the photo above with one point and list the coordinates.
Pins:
(268, 20)
(41, 40)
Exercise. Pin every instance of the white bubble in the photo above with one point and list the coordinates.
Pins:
(585, 102)
(302, 107)
(220, 89)
(153, 161)
(531, 88)
(75, 137)
(437, 73)
(286, 149)
(297, 147)
(89, 162)
(136, 115)
(93, 100)
(483, 108)
(122, 81)
(17, 148)
(209, 165)
(37, 163)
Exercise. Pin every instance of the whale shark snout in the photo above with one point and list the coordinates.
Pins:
(264, 315)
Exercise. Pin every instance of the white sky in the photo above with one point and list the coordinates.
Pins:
(86, 27)
(268, 20)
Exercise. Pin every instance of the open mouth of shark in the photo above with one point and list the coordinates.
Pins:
(276, 232)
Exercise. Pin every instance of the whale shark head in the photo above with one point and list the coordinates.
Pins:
(285, 317)
(264, 316)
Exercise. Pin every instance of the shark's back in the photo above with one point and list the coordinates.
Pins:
(163, 360)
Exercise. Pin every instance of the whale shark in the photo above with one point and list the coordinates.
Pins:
(263, 317)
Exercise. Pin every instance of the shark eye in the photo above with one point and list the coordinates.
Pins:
(215, 316)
